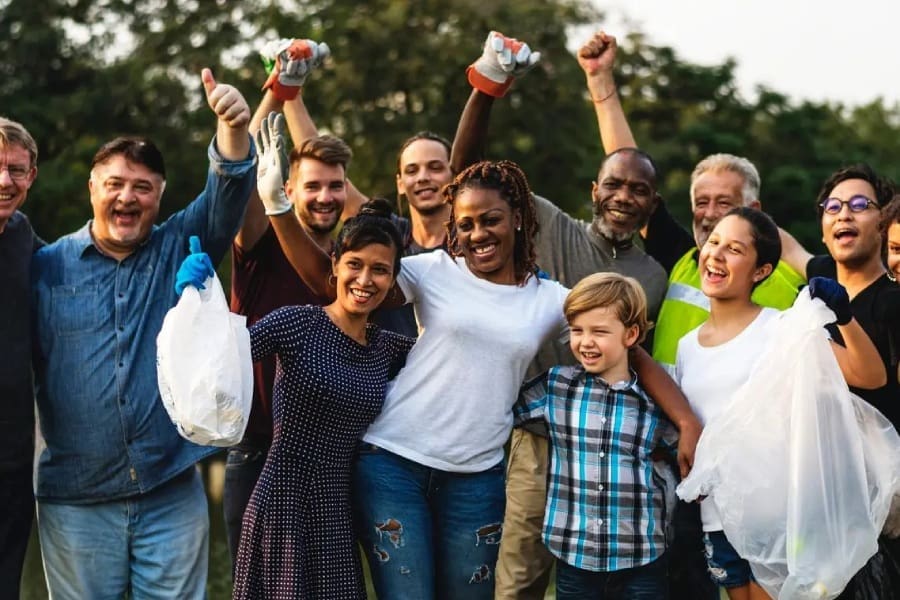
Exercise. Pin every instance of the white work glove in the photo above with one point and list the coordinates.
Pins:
(291, 63)
(502, 61)
(273, 169)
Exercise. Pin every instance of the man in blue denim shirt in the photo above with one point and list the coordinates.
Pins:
(121, 508)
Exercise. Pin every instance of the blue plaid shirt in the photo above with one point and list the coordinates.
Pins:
(605, 507)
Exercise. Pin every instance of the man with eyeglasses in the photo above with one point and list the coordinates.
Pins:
(18, 170)
(849, 208)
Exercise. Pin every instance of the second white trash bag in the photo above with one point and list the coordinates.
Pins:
(204, 367)
(801, 470)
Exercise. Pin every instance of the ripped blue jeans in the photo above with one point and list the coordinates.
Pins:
(427, 533)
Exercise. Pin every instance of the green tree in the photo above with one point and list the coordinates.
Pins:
(681, 112)
(79, 72)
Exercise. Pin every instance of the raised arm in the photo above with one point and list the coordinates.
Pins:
(597, 57)
(301, 126)
(502, 60)
(290, 62)
(659, 386)
(793, 253)
(312, 264)
(255, 220)
(471, 133)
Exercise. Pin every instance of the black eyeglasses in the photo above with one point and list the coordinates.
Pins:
(857, 204)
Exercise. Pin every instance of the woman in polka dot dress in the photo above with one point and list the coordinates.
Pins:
(333, 368)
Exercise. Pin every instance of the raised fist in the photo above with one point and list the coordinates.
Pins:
(502, 60)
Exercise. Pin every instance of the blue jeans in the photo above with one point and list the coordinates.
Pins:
(647, 582)
(726, 567)
(242, 468)
(150, 546)
(427, 533)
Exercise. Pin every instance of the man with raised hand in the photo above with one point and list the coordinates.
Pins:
(18, 170)
(622, 198)
(719, 183)
(849, 207)
(121, 507)
(262, 279)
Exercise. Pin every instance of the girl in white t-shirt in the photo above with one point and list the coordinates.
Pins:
(716, 358)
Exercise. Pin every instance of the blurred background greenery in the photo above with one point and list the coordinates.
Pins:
(79, 72)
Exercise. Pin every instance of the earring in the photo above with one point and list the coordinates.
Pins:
(519, 228)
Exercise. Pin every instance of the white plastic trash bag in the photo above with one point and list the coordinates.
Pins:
(801, 470)
(204, 367)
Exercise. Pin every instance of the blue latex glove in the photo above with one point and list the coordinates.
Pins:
(833, 295)
(195, 269)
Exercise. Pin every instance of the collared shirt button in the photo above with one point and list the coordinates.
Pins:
(599, 521)
(603, 419)
(602, 454)
(600, 487)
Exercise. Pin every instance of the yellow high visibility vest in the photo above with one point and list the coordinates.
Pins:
(685, 307)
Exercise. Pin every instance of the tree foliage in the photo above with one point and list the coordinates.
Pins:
(79, 72)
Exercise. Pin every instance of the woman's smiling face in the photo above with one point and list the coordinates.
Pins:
(728, 260)
(486, 233)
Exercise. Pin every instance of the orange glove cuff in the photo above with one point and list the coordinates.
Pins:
(487, 86)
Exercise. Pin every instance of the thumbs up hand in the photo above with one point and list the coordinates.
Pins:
(226, 101)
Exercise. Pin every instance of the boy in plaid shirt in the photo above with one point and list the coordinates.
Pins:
(605, 515)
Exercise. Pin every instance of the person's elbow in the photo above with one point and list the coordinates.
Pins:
(868, 376)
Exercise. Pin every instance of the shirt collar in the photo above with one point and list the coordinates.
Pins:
(630, 383)
(84, 240)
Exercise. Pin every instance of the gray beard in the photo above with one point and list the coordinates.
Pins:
(602, 229)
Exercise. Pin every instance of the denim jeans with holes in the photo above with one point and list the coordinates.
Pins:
(427, 533)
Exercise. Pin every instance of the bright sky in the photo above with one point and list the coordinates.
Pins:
(839, 51)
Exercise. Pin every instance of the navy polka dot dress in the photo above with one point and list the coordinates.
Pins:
(297, 537)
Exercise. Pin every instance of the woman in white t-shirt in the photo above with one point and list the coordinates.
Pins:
(429, 481)
(716, 358)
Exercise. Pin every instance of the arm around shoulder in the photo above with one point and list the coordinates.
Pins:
(793, 253)
(663, 390)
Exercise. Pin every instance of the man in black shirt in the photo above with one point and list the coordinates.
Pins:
(849, 208)
(18, 170)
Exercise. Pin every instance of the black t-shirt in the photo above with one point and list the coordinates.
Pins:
(666, 240)
(17, 243)
(877, 310)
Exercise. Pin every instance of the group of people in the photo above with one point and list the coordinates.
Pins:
(391, 355)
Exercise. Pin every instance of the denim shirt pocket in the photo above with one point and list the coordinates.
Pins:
(74, 308)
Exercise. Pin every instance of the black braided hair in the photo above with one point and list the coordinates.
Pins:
(507, 178)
